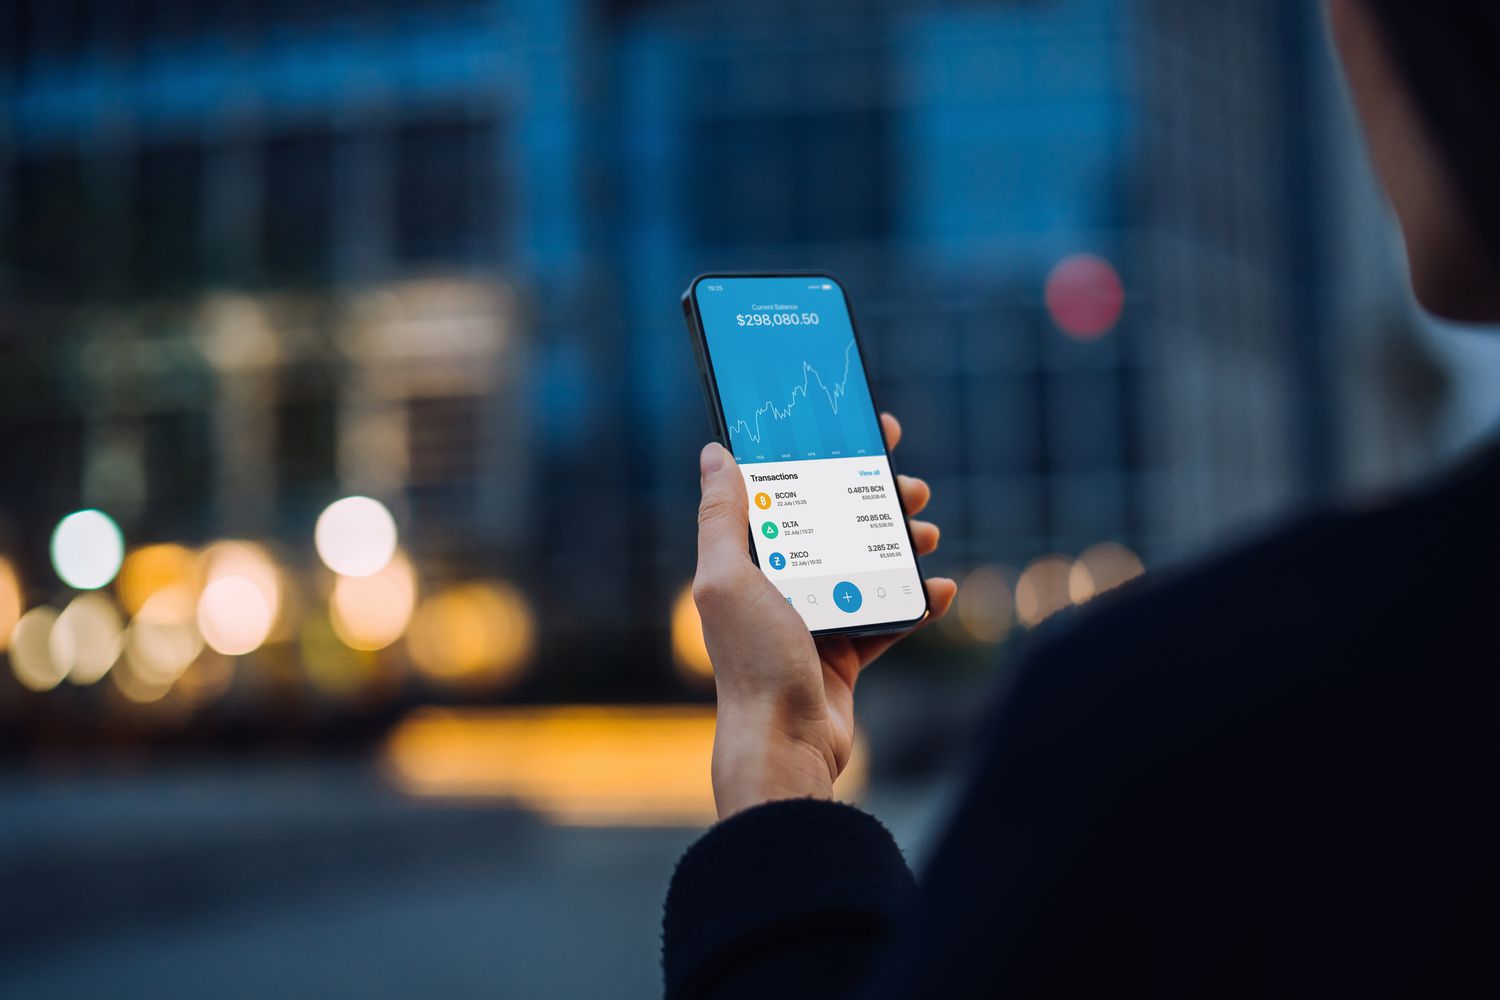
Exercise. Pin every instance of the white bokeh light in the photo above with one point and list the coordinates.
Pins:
(247, 560)
(234, 616)
(355, 536)
(87, 549)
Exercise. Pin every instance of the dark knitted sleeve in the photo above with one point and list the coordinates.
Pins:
(789, 899)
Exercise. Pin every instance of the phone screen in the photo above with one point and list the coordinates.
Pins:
(825, 518)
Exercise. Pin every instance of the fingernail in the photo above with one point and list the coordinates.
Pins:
(711, 459)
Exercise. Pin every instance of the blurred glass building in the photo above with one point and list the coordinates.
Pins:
(259, 256)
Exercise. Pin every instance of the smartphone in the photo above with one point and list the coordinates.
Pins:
(784, 377)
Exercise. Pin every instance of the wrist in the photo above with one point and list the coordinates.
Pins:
(756, 759)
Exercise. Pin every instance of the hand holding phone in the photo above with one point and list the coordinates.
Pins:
(786, 700)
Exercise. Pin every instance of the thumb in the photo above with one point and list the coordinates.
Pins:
(723, 514)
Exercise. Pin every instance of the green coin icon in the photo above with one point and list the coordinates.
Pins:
(769, 529)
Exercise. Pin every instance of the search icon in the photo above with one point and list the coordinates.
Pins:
(812, 598)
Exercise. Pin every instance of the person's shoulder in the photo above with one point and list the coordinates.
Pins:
(1317, 576)
(1300, 717)
(1325, 599)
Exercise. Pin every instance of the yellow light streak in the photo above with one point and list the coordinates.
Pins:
(577, 765)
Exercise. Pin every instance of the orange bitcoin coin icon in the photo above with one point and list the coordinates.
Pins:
(763, 501)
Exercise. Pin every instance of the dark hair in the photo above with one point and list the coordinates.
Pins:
(1449, 53)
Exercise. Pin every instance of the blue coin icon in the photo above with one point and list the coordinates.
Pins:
(777, 560)
(847, 597)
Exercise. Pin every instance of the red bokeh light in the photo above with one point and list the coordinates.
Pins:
(1085, 296)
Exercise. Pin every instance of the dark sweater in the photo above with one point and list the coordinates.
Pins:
(1273, 773)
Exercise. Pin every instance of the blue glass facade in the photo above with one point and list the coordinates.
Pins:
(570, 166)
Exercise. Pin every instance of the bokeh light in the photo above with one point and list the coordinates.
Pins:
(474, 635)
(355, 536)
(1102, 567)
(153, 568)
(235, 334)
(31, 658)
(12, 601)
(248, 561)
(208, 678)
(87, 638)
(141, 690)
(169, 606)
(87, 549)
(160, 643)
(985, 604)
(234, 615)
(1084, 296)
(1042, 590)
(688, 649)
(333, 666)
(1080, 583)
(371, 612)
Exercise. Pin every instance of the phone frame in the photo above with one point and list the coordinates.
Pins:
(715, 406)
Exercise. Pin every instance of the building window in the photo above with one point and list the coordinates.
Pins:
(815, 177)
(297, 220)
(446, 191)
(179, 472)
(306, 443)
(166, 234)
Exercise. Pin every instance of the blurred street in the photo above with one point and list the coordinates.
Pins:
(232, 879)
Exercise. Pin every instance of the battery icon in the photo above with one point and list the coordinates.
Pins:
(827, 288)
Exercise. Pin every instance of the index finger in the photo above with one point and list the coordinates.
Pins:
(891, 428)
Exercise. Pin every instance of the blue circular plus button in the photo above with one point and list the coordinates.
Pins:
(847, 596)
(777, 560)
